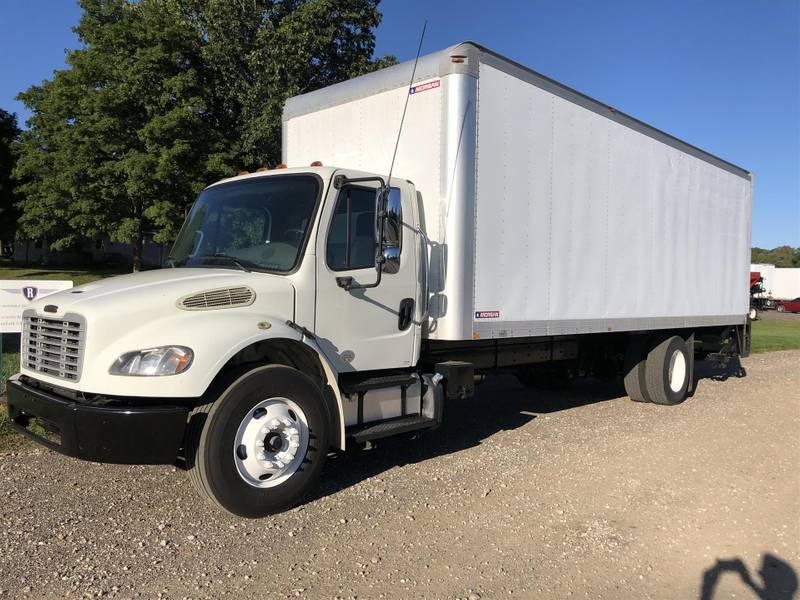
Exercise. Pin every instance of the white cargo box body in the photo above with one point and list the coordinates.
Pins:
(546, 212)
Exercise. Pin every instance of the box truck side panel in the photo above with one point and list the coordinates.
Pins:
(584, 224)
(361, 135)
(436, 152)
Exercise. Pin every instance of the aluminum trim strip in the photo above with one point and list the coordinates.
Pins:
(509, 329)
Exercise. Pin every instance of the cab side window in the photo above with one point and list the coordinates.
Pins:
(351, 238)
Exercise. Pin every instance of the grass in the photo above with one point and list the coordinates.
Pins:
(77, 276)
(10, 366)
(769, 336)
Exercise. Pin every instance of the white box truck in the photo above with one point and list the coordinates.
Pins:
(529, 228)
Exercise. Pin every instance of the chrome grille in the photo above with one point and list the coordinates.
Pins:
(219, 298)
(53, 346)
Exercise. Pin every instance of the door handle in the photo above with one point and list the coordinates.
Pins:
(406, 313)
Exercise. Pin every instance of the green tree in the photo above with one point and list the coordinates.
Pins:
(9, 132)
(119, 142)
(782, 256)
(168, 95)
(258, 53)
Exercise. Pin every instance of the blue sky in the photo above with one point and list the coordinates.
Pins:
(723, 75)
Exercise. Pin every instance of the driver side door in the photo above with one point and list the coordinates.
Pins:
(365, 329)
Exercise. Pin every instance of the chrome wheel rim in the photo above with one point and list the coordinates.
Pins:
(271, 442)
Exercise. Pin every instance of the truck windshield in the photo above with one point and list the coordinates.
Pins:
(260, 224)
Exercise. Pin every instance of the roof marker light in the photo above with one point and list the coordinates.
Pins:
(316, 163)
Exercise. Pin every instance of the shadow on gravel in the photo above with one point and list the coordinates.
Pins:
(706, 370)
(500, 404)
(778, 578)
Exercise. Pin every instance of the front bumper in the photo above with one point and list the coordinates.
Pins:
(101, 433)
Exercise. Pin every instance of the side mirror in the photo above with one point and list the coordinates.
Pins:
(388, 232)
(392, 232)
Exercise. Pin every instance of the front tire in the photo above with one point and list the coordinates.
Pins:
(781, 308)
(263, 444)
(668, 370)
(753, 313)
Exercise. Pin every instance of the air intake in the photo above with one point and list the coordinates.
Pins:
(219, 298)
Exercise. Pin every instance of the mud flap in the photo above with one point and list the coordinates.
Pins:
(690, 353)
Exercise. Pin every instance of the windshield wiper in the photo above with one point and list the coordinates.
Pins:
(233, 260)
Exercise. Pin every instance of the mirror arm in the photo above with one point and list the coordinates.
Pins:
(346, 283)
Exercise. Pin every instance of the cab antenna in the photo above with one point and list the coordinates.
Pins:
(405, 106)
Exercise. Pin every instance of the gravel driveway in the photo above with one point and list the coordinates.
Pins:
(520, 494)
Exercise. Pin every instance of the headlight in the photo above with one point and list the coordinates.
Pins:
(165, 360)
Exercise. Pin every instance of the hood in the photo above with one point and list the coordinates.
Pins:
(153, 292)
(131, 312)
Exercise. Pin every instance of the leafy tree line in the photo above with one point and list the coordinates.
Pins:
(9, 132)
(165, 96)
(782, 256)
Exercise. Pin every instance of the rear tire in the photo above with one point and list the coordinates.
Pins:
(635, 369)
(781, 308)
(667, 371)
(294, 447)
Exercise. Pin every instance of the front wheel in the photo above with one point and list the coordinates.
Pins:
(781, 308)
(753, 313)
(263, 443)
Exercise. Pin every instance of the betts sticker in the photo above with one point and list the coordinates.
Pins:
(487, 314)
(424, 87)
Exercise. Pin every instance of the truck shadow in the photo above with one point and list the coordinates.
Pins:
(778, 578)
(500, 404)
(707, 370)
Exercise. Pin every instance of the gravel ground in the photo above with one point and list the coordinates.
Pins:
(520, 494)
(774, 315)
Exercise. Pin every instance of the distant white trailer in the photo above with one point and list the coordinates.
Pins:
(547, 212)
(779, 282)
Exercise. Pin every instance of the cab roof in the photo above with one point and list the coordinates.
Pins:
(325, 173)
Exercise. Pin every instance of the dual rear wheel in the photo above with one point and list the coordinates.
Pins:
(658, 372)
